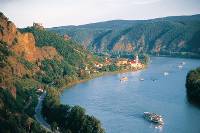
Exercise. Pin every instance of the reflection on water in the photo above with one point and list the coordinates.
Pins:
(157, 127)
(120, 105)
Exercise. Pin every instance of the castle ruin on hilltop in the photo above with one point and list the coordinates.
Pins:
(38, 26)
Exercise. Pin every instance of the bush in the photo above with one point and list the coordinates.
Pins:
(193, 86)
(4, 53)
(12, 117)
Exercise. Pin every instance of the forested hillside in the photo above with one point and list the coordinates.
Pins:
(32, 61)
(176, 36)
(73, 58)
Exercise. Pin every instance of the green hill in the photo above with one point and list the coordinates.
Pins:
(31, 60)
(178, 35)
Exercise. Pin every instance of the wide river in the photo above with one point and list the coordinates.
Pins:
(120, 105)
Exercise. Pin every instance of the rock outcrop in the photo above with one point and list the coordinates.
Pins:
(24, 51)
(7, 30)
(23, 44)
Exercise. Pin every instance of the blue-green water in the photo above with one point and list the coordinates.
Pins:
(120, 105)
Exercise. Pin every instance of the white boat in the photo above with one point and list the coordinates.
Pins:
(141, 79)
(153, 117)
(166, 73)
(180, 66)
(124, 79)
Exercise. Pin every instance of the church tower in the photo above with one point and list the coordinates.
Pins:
(136, 59)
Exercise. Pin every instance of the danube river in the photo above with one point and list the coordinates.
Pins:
(120, 105)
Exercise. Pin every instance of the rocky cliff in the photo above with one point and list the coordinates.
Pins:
(23, 44)
(18, 51)
(8, 30)
(33, 60)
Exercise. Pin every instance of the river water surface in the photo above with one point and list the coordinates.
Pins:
(120, 105)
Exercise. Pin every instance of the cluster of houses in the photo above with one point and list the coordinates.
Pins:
(106, 62)
(135, 63)
(120, 62)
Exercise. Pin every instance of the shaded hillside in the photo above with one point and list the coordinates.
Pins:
(170, 35)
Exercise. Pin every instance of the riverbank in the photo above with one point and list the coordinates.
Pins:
(193, 86)
(195, 56)
(38, 108)
(54, 94)
(99, 75)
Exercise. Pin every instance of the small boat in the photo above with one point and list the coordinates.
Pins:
(166, 73)
(183, 63)
(141, 79)
(180, 66)
(154, 118)
(124, 79)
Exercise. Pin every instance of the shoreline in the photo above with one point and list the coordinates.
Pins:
(178, 56)
(98, 75)
(92, 76)
(75, 82)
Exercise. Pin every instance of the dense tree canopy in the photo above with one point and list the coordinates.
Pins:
(4, 53)
(12, 116)
(67, 118)
(175, 36)
(193, 85)
(23, 80)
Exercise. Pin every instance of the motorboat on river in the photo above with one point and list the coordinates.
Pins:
(166, 73)
(124, 79)
(141, 79)
(154, 118)
(180, 66)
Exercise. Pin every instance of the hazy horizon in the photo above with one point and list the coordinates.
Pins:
(54, 13)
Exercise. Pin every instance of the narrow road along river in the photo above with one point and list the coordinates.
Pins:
(38, 115)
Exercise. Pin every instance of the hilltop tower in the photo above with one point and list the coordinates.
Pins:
(38, 26)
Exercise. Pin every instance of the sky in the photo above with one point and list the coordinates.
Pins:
(52, 13)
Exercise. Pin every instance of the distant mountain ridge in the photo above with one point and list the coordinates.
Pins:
(166, 35)
(113, 23)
